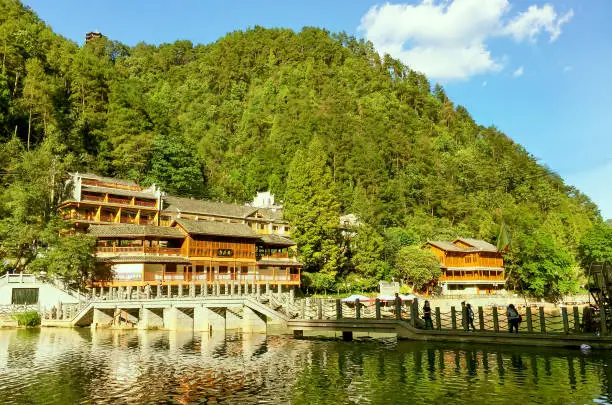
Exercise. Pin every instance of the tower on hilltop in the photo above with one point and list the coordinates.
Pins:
(92, 35)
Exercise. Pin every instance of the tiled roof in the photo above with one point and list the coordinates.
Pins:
(118, 191)
(131, 231)
(448, 246)
(478, 244)
(142, 259)
(110, 180)
(276, 240)
(201, 207)
(217, 228)
(272, 214)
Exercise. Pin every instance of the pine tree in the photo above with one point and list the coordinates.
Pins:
(313, 210)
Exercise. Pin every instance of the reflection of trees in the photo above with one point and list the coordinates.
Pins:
(443, 374)
(70, 366)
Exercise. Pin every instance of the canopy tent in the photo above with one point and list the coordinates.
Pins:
(354, 297)
(388, 297)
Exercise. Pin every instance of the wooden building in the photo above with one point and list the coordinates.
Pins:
(469, 266)
(148, 237)
(89, 36)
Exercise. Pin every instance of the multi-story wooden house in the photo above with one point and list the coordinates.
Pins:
(469, 266)
(148, 237)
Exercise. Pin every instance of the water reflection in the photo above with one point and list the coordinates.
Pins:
(71, 366)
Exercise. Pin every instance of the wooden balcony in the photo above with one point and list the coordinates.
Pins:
(132, 202)
(138, 250)
(473, 277)
(257, 276)
(210, 252)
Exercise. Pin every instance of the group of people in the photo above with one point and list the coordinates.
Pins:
(514, 318)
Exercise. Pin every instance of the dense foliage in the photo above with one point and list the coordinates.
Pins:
(27, 318)
(320, 119)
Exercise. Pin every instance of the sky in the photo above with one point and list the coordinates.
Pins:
(539, 71)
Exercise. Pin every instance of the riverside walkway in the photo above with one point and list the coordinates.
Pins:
(219, 307)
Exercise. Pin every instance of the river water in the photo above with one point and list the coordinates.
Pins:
(67, 366)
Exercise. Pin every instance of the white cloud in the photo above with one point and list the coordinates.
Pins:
(518, 72)
(446, 39)
(536, 19)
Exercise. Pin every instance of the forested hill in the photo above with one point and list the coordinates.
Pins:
(320, 119)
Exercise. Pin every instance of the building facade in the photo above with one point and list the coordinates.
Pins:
(469, 266)
(147, 237)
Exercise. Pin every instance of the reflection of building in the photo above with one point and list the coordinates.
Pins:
(469, 266)
(148, 237)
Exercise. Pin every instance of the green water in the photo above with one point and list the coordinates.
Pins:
(65, 366)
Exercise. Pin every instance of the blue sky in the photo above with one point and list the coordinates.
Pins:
(539, 71)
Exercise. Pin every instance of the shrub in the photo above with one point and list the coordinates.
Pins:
(405, 289)
(28, 318)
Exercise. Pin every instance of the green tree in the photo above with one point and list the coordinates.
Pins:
(69, 258)
(542, 268)
(596, 245)
(175, 168)
(367, 255)
(312, 209)
(417, 265)
(30, 226)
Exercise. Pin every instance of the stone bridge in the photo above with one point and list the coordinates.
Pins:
(198, 314)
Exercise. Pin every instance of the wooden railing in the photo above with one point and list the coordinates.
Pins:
(139, 249)
(472, 277)
(90, 197)
(123, 201)
(150, 204)
(206, 252)
(158, 276)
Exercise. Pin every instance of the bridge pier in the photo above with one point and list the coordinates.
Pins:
(232, 319)
(209, 320)
(151, 318)
(253, 321)
(102, 318)
(130, 317)
(178, 318)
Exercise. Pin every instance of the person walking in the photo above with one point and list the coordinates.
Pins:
(470, 317)
(513, 318)
(427, 315)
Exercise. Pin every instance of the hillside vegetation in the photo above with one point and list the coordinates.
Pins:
(320, 119)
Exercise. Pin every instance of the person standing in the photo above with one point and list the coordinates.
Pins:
(513, 318)
(427, 315)
(470, 317)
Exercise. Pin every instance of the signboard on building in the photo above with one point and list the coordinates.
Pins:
(225, 252)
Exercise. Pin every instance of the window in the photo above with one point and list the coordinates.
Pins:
(25, 296)
(275, 228)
